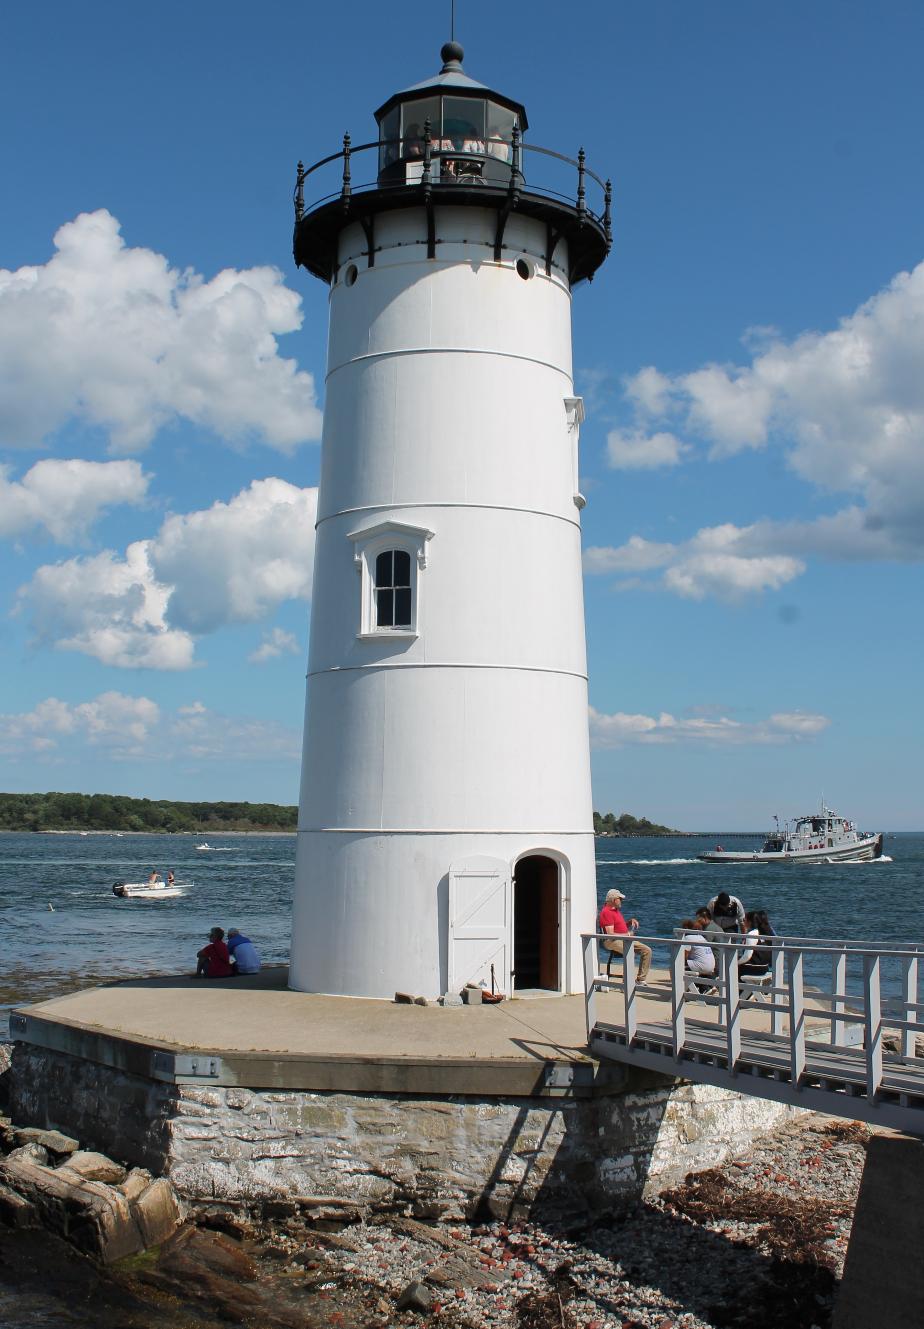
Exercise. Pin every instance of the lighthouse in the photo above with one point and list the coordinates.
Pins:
(445, 827)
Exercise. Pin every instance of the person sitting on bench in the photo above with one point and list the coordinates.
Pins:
(754, 960)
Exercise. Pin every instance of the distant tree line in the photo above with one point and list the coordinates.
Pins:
(113, 812)
(626, 824)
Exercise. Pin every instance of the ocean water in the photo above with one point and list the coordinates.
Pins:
(245, 881)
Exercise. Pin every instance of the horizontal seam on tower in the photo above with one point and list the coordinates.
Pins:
(430, 830)
(448, 350)
(437, 664)
(424, 503)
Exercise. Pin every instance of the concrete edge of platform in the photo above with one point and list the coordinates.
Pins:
(170, 1063)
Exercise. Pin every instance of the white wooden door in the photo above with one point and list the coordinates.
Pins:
(479, 922)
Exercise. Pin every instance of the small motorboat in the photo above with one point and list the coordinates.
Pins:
(148, 890)
(821, 837)
(214, 848)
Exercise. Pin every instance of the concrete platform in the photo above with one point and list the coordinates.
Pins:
(254, 1032)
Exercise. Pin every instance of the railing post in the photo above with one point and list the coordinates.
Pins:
(777, 960)
(678, 998)
(732, 1005)
(346, 188)
(608, 214)
(581, 192)
(515, 163)
(839, 1005)
(796, 1017)
(628, 988)
(299, 192)
(590, 982)
(872, 1011)
(427, 158)
(910, 984)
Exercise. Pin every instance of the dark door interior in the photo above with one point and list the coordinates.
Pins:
(535, 924)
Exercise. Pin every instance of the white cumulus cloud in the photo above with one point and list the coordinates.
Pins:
(234, 562)
(65, 497)
(277, 642)
(114, 337)
(845, 405)
(726, 561)
(634, 450)
(112, 720)
(618, 729)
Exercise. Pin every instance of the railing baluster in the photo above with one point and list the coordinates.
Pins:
(872, 1011)
(839, 1005)
(591, 946)
(777, 961)
(732, 1007)
(628, 987)
(581, 203)
(346, 188)
(796, 1017)
(608, 214)
(678, 999)
(515, 163)
(910, 996)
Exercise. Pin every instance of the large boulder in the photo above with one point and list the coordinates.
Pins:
(92, 1167)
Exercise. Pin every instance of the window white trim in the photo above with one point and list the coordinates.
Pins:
(368, 543)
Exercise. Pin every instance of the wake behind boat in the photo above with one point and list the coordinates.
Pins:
(821, 837)
(148, 890)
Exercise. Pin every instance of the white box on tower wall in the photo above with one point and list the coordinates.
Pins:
(445, 829)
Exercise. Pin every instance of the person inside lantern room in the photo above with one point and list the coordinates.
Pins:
(214, 959)
(728, 912)
(613, 924)
(413, 141)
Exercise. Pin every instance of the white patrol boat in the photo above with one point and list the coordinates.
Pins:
(821, 837)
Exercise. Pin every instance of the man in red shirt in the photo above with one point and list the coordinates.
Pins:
(614, 925)
(214, 959)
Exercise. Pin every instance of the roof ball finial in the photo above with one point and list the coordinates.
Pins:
(452, 55)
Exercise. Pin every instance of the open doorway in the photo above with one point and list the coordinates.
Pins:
(536, 911)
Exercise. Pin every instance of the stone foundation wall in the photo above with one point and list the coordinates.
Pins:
(432, 1158)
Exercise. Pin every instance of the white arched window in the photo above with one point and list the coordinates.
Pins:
(390, 557)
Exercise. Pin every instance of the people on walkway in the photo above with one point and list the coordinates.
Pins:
(214, 959)
(755, 958)
(699, 958)
(244, 954)
(612, 922)
(728, 911)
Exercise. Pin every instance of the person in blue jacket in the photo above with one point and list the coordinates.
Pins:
(244, 954)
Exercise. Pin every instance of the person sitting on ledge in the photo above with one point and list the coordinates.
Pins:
(214, 959)
(244, 954)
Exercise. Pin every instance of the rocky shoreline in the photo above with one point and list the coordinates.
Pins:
(759, 1241)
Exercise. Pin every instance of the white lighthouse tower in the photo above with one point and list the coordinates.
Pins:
(445, 820)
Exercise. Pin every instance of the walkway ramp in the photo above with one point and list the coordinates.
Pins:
(833, 1026)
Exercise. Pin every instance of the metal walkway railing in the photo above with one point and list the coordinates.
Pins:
(831, 1027)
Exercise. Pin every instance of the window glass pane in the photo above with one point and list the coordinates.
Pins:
(403, 608)
(388, 130)
(500, 132)
(463, 123)
(385, 609)
(383, 569)
(402, 568)
(414, 115)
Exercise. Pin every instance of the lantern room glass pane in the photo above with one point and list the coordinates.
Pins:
(463, 123)
(414, 116)
(389, 127)
(500, 132)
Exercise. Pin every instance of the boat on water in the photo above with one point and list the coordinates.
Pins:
(148, 890)
(819, 837)
(214, 848)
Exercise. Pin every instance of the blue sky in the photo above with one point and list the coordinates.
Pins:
(750, 356)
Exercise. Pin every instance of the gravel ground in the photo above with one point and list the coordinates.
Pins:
(759, 1241)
